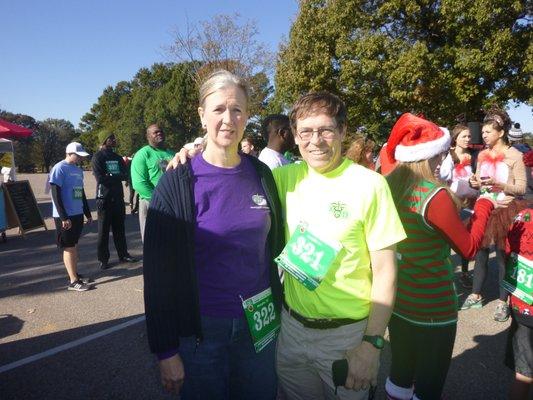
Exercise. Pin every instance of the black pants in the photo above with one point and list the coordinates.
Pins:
(420, 355)
(111, 214)
(481, 271)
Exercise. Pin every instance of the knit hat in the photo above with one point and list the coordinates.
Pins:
(414, 139)
(515, 133)
(104, 135)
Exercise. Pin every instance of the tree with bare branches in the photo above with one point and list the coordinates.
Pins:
(224, 42)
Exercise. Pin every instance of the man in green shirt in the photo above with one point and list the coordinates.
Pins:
(147, 166)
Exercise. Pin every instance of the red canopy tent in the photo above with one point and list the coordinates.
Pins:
(12, 131)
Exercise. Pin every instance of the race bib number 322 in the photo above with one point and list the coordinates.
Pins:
(263, 320)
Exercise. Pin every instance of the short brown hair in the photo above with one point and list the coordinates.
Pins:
(319, 102)
(253, 140)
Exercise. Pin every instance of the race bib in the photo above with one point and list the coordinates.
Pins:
(491, 192)
(307, 258)
(77, 193)
(112, 167)
(263, 320)
(519, 278)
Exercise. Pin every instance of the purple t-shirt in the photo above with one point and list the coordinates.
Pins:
(232, 225)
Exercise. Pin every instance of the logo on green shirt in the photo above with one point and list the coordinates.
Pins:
(338, 210)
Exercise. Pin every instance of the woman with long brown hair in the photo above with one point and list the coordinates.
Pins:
(502, 173)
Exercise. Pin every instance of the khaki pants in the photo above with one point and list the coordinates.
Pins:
(143, 212)
(304, 358)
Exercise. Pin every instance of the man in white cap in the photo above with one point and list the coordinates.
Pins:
(69, 204)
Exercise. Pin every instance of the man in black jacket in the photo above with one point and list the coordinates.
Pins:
(109, 170)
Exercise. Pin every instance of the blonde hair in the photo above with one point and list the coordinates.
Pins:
(222, 79)
(407, 175)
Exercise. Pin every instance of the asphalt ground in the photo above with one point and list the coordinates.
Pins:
(59, 344)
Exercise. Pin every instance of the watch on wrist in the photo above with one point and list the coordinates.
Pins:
(377, 341)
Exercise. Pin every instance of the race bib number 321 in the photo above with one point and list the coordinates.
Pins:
(307, 258)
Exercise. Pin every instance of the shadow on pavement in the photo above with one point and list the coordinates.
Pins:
(481, 366)
(10, 325)
(44, 281)
(33, 264)
(115, 366)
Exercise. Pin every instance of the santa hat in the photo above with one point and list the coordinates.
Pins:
(414, 139)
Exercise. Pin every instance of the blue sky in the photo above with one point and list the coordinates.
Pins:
(56, 57)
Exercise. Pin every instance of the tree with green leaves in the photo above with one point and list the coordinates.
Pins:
(165, 94)
(24, 159)
(46, 146)
(50, 138)
(441, 58)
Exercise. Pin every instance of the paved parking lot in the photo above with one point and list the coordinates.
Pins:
(56, 344)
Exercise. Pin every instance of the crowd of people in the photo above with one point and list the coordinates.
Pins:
(265, 277)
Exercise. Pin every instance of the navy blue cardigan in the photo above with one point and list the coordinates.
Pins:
(170, 287)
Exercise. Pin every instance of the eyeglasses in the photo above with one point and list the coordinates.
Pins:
(158, 131)
(325, 133)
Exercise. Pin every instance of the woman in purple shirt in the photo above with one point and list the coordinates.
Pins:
(211, 287)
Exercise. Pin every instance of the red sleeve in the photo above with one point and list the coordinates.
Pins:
(441, 214)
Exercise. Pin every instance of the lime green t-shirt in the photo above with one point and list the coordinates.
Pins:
(351, 205)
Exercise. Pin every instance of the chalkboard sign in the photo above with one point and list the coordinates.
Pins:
(21, 206)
